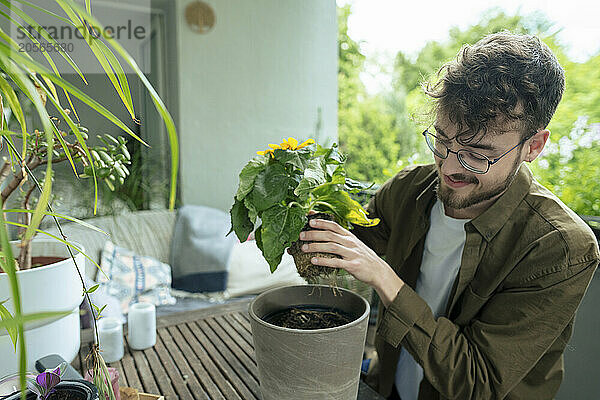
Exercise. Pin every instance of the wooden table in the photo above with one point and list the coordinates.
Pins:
(203, 354)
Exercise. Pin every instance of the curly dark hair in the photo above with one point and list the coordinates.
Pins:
(503, 78)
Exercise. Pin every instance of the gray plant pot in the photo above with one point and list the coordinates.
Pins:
(309, 364)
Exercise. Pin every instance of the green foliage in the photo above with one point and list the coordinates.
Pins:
(282, 186)
(381, 133)
(372, 129)
(40, 84)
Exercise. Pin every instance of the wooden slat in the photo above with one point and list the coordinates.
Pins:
(248, 388)
(131, 372)
(171, 368)
(183, 317)
(196, 365)
(209, 365)
(185, 371)
(237, 333)
(244, 320)
(162, 379)
(145, 373)
(233, 346)
(233, 321)
(248, 377)
(122, 378)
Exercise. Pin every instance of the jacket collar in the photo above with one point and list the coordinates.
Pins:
(493, 219)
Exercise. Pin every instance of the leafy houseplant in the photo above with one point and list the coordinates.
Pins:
(281, 186)
(22, 76)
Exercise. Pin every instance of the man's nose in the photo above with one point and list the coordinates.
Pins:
(451, 165)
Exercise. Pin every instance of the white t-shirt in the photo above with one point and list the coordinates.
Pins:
(441, 260)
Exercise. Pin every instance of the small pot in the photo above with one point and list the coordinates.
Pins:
(67, 390)
(309, 364)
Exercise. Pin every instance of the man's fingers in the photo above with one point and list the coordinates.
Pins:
(321, 247)
(325, 236)
(329, 225)
(329, 262)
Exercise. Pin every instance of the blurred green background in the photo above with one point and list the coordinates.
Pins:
(380, 131)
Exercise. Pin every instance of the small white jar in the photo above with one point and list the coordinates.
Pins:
(110, 332)
(141, 326)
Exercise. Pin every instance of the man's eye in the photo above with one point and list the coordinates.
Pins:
(478, 157)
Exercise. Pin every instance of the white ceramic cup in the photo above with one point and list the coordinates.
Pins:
(110, 332)
(141, 326)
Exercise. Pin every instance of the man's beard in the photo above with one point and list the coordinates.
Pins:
(450, 198)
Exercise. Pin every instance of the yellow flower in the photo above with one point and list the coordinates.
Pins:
(287, 144)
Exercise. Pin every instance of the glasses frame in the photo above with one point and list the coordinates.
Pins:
(458, 152)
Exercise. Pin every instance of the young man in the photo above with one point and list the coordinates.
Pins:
(484, 268)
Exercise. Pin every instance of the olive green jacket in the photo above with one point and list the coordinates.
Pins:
(526, 264)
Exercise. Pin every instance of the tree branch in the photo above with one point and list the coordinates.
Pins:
(16, 181)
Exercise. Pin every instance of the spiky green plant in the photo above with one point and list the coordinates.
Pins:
(39, 83)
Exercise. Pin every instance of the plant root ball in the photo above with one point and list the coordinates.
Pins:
(305, 268)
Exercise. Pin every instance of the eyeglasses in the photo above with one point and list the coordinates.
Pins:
(471, 160)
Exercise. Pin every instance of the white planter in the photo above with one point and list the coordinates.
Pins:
(54, 287)
(59, 337)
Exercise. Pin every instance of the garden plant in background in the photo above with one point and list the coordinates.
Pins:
(281, 186)
(22, 79)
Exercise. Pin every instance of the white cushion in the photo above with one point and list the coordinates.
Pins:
(249, 272)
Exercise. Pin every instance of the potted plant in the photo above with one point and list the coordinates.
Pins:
(22, 79)
(50, 384)
(308, 340)
(41, 261)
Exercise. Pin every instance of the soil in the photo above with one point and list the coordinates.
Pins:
(42, 261)
(68, 395)
(308, 317)
(305, 268)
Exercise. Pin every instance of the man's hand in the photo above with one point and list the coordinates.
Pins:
(357, 258)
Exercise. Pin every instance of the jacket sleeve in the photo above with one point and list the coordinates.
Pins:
(488, 357)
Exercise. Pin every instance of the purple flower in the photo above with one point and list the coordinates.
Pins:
(45, 382)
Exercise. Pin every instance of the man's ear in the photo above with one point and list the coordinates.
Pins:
(535, 144)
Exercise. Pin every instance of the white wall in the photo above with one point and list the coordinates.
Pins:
(266, 71)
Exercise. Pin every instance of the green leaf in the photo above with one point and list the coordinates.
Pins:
(348, 210)
(98, 315)
(16, 320)
(354, 186)
(92, 289)
(258, 237)
(281, 225)
(270, 187)
(252, 213)
(13, 101)
(297, 158)
(5, 315)
(75, 220)
(314, 176)
(240, 223)
(8, 266)
(248, 175)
